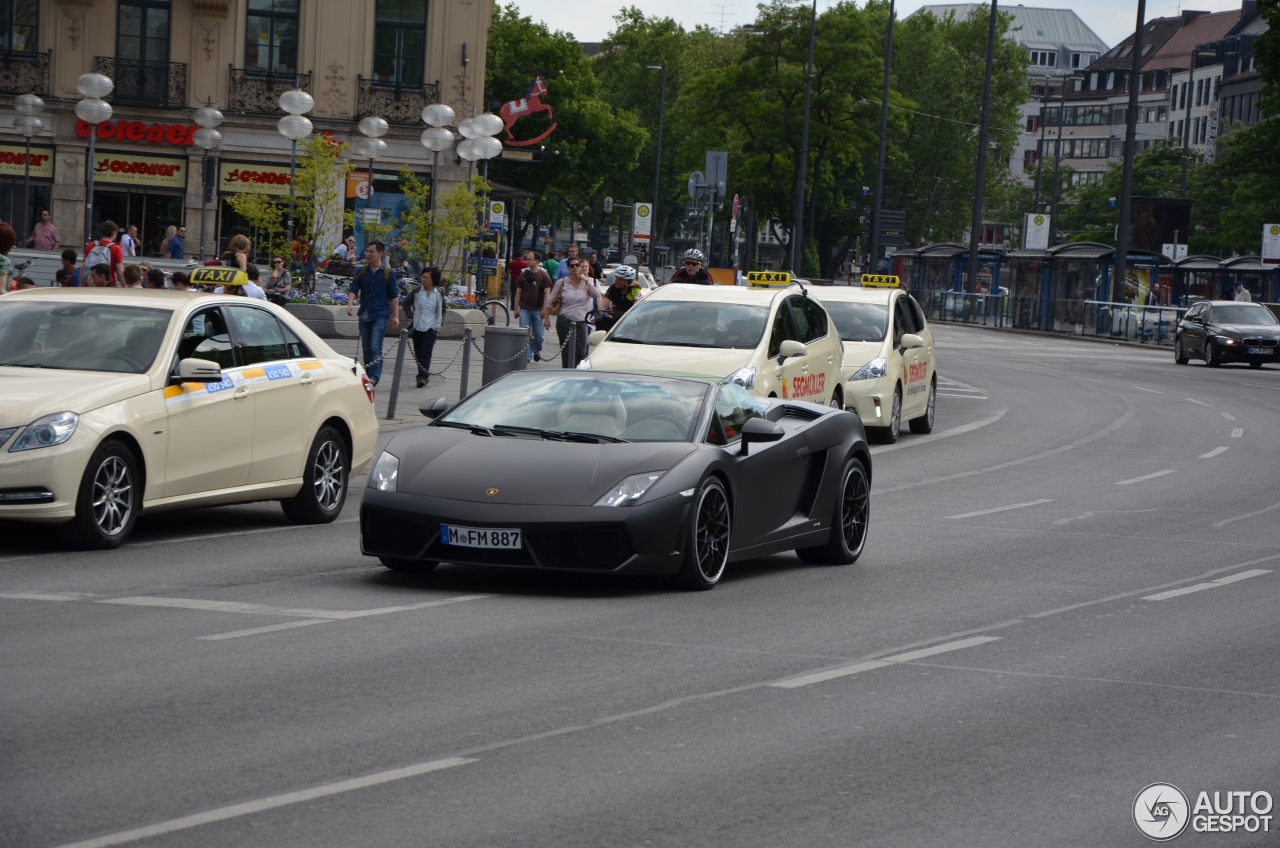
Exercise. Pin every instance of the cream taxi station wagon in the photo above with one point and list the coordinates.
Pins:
(774, 340)
(890, 369)
(118, 402)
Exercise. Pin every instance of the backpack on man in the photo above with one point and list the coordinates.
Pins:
(99, 254)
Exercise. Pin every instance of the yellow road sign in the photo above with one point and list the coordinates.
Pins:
(768, 278)
(888, 280)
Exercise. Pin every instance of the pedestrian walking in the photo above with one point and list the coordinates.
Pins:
(237, 254)
(374, 291)
(1241, 293)
(175, 247)
(44, 236)
(531, 295)
(154, 279)
(129, 241)
(578, 296)
(562, 271)
(426, 311)
(69, 266)
(105, 251)
(8, 238)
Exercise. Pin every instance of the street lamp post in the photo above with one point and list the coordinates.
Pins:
(93, 110)
(209, 139)
(478, 142)
(657, 174)
(1057, 155)
(797, 210)
(371, 147)
(872, 257)
(1186, 123)
(294, 126)
(28, 106)
(983, 153)
(1044, 115)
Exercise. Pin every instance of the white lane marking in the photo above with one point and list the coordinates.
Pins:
(1211, 454)
(249, 808)
(1237, 432)
(956, 384)
(954, 431)
(1198, 402)
(1002, 508)
(271, 628)
(1212, 584)
(47, 596)
(1145, 477)
(1227, 521)
(1227, 416)
(1145, 389)
(857, 668)
(963, 397)
(185, 539)
(266, 609)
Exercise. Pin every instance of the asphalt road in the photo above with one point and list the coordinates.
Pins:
(1069, 593)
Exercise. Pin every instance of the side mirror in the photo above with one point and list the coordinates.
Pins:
(911, 340)
(197, 371)
(760, 430)
(597, 337)
(790, 348)
(434, 408)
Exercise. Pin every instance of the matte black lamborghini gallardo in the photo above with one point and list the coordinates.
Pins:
(619, 473)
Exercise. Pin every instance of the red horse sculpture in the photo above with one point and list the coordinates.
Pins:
(531, 104)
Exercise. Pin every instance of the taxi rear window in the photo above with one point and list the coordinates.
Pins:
(860, 322)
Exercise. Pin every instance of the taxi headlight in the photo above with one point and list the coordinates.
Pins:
(745, 377)
(46, 432)
(630, 490)
(386, 471)
(873, 370)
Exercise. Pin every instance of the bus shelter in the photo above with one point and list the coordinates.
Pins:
(1196, 278)
(939, 280)
(1029, 287)
(1261, 279)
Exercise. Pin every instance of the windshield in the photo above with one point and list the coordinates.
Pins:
(80, 336)
(859, 322)
(1243, 313)
(556, 404)
(692, 324)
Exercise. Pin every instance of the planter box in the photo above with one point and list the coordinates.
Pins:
(332, 322)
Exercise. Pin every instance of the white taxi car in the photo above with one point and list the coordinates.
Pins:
(777, 341)
(890, 369)
(116, 402)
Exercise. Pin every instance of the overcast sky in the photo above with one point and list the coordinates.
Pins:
(592, 20)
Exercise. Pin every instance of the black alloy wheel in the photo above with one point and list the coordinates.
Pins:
(850, 520)
(707, 548)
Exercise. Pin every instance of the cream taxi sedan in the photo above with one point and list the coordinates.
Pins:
(776, 341)
(890, 368)
(120, 402)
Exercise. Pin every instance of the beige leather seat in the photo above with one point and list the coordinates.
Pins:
(603, 416)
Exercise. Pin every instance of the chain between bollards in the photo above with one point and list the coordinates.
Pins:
(399, 369)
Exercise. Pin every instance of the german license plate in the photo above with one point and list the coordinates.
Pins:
(1262, 351)
(479, 537)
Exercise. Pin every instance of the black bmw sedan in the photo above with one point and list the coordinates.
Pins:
(1219, 331)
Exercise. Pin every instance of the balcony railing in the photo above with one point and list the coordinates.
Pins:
(140, 83)
(24, 73)
(257, 92)
(398, 103)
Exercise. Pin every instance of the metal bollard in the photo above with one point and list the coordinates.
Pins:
(504, 351)
(395, 379)
(466, 361)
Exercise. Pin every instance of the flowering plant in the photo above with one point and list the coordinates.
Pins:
(326, 299)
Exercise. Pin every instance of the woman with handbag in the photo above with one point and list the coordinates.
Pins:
(571, 299)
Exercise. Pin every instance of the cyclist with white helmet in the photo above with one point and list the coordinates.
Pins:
(621, 295)
(692, 272)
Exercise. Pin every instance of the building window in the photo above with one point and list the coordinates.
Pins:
(1044, 58)
(1083, 60)
(400, 41)
(142, 30)
(20, 25)
(271, 36)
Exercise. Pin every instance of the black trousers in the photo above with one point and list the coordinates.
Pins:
(573, 341)
(424, 342)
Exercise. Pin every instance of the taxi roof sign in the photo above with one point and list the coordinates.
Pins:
(887, 280)
(216, 276)
(768, 278)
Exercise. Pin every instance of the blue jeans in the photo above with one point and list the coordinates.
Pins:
(532, 318)
(372, 333)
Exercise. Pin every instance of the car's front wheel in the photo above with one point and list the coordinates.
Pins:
(324, 481)
(1179, 353)
(1211, 356)
(108, 501)
(888, 434)
(850, 519)
(707, 538)
(924, 423)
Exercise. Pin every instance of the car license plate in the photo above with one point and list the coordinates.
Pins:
(1262, 351)
(479, 537)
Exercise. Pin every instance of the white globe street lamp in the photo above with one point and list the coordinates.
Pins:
(27, 106)
(371, 147)
(93, 110)
(208, 139)
(294, 126)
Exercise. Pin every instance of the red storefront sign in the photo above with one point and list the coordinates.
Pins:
(151, 133)
(13, 161)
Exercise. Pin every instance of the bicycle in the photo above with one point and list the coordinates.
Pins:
(497, 314)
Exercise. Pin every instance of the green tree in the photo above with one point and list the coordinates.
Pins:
(441, 237)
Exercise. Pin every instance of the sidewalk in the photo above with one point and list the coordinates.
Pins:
(446, 375)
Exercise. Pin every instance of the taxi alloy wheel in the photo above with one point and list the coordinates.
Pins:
(837, 402)
(888, 434)
(924, 424)
(1179, 352)
(707, 550)
(108, 500)
(324, 481)
(850, 519)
